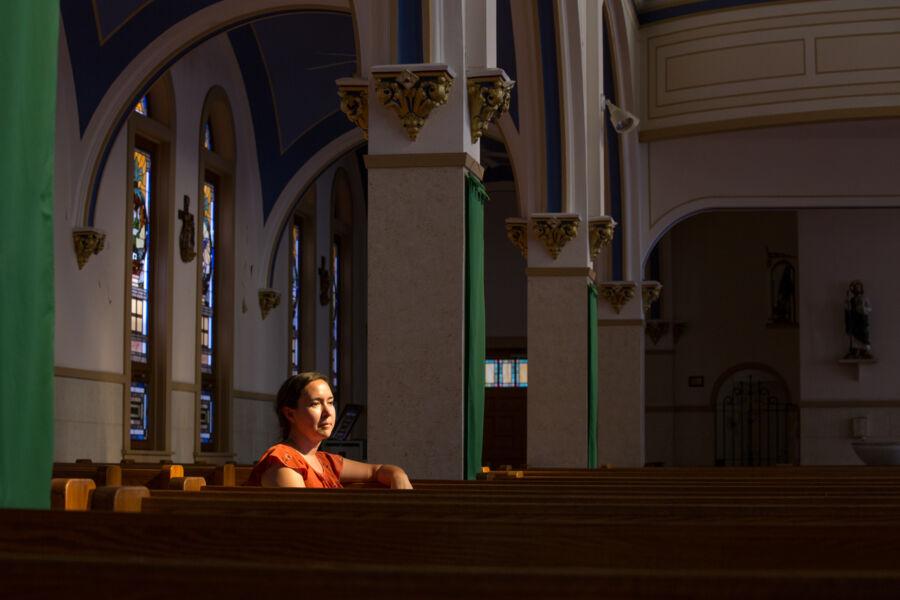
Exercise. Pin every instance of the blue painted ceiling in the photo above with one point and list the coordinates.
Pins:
(289, 62)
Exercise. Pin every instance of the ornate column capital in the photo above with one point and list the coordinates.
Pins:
(650, 291)
(555, 230)
(517, 233)
(601, 231)
(617, 293)
(413, 91)
(354, 95)
(489, 96)
(268, 299)
(87, 241)
(656, 330)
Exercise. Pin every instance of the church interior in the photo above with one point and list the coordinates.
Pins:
(610, 279)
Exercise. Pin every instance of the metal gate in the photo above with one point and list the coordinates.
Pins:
(754, 421)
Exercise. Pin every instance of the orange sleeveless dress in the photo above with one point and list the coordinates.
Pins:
(282, 455)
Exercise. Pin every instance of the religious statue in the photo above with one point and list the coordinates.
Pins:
(187, 239)
(856, 322)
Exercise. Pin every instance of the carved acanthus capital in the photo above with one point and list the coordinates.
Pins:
(601, 233)
(354, 95)
(268, 299)
(517, 232)
(490, 91)
(413, 95)
(650, 291)
(656, 330)
(555, 230)
(88, 241)
(617, 293)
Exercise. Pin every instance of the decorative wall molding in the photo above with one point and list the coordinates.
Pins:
(268, 299)
(804, 65)
(89, 375)
(601, 231)
(415, 161)
(258, 396)
(617, 293)
(555, 230)
(842, 404)
(517, 233)
(87, 241)
(412, 92)
(489, 92)
(650, 292)
(354, 95)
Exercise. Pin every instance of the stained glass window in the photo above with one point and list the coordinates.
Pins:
(140, 257)
(207, 274)
(207, 137)
(335, 307)
(141, 107)
(506, 372)
(139, 411)
(295, 296)
(206, 416)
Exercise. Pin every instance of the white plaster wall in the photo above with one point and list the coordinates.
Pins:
(91, 302)
(837, 164)
(87, 420)
(837, 246)
(255, 429)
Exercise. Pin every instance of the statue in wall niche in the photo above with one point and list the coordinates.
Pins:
(856, 322)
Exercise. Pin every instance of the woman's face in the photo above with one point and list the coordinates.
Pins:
(313, 419)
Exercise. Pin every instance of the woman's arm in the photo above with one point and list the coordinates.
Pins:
(282, 477)
(387, 475)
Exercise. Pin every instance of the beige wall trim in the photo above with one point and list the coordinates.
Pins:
(405, 161)
(619, 322)
(822, 116)
(560, 272)
(849, 404)
(681, 409)
(181, 386)
(253, 396)
(89, 375)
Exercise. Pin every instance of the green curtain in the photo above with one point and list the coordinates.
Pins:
(28, 44)
(476, 196)
(593, 376)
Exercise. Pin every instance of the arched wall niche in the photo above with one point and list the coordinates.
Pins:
(217, 112)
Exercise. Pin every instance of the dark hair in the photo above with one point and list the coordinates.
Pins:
(290, 393)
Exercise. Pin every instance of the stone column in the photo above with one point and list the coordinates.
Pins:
(419, 154)
(620, 430)
(558, 275)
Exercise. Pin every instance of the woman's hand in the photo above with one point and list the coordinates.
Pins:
(387, 475)
(399, 479)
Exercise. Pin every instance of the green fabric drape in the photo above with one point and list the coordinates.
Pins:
(593, 377)
(476, 196)
(28, 45)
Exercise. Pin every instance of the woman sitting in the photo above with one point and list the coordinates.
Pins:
(305, 409)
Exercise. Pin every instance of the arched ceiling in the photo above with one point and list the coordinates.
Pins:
(651, 11)
(288, 61)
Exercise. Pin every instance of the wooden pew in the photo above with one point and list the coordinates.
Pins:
(824, 561)
(71, 494)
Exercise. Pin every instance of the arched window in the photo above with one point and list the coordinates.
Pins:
(148, 269)
(302, 279)
(215, 275)
(341, 265)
